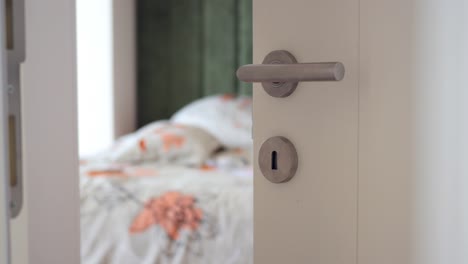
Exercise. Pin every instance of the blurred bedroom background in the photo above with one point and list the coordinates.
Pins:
(165, 131)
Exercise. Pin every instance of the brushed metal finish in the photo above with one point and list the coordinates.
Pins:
(279, 89)
(278, 159)
(300, 72)
(280, 71)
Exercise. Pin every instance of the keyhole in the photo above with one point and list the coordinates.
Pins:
(274, 160)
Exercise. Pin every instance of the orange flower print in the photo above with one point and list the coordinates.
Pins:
(227, 97)
(124, 172)
(172, 140)
(107, 173)
(142, 145)
(173, 211)
(206, 167)
(142, 172)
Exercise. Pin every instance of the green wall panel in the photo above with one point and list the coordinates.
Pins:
(188, 49)
(153, 73)
(185, 71)
(244, 40)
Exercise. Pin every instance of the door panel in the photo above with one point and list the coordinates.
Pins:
(382, 154)
(385, 121)
(313, 217)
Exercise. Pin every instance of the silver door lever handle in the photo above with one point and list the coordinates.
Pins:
(299, 72)
(279, 73)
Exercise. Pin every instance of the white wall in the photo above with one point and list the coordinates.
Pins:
(124, 66)
(106, 85)
(413, 203)
(95, 92)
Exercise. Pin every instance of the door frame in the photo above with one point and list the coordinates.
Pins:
(47, 229)
(4, 179)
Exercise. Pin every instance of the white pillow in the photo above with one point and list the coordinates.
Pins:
(226, 117)
(164, 142)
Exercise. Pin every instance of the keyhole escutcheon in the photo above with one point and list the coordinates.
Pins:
(275, 152)
(274, 160)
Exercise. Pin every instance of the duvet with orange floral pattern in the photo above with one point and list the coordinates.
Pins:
(167, 213)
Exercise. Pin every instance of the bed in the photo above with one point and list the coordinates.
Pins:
(175, 191)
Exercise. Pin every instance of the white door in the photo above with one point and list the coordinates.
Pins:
(45, 225)
(313, 217)
(382, 171)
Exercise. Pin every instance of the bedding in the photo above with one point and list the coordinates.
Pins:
(226, 117)
(170, 193)
(165, 214)
(164, 142)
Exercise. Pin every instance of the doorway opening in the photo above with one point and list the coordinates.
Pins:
(165, 131)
